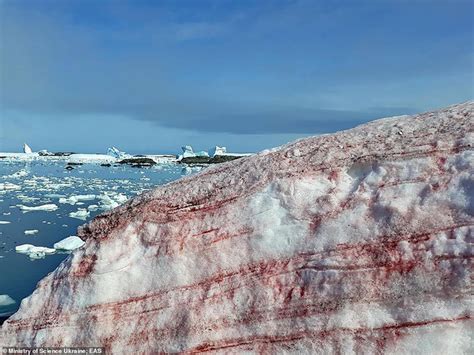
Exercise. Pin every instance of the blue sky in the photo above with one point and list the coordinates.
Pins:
(150, 76)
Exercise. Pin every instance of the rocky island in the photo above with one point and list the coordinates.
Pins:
(358, 241)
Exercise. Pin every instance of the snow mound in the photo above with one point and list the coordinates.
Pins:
(355, 242)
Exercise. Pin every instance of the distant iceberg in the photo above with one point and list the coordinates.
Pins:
(217, 151)
(188, 152)
(27, 149)
(116, 153)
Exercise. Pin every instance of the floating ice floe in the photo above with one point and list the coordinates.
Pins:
(33, 251)
(70, 243)
(5, 222)
(19, 174)
(49, 207)
(31, 231)
(90, 158)
(81, 213)
(27, 149)
(9, 186)
(75, 199)
(6, 300)
(111, 200)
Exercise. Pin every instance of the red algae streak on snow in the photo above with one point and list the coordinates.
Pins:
(354, 242)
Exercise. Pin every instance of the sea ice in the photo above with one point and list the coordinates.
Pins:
(70, 243)
(31, 231)
(6, 300)
(81, 213)
(9, 186)
(5, 222)
(47, 207)
(19, 174)
(75, 199)
(34, 252)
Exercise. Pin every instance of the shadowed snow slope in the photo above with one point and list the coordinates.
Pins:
(352, 242)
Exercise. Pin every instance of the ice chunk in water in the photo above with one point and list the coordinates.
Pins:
(81, 213)
(6, 300)
(47, 207)
(70, 243)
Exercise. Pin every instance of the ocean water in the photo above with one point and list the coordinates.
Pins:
(48, 182)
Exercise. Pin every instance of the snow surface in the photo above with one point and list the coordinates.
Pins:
(356, 242)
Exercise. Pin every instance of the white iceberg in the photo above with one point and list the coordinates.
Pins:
(217, 151)
(114, 152)
(27, 149)
(5, 222)
(49, 207)
(70, 243)
(33, 251)
(31, 231)
(188, 152)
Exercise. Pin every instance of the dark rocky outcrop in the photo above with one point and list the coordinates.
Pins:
(207, 160)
